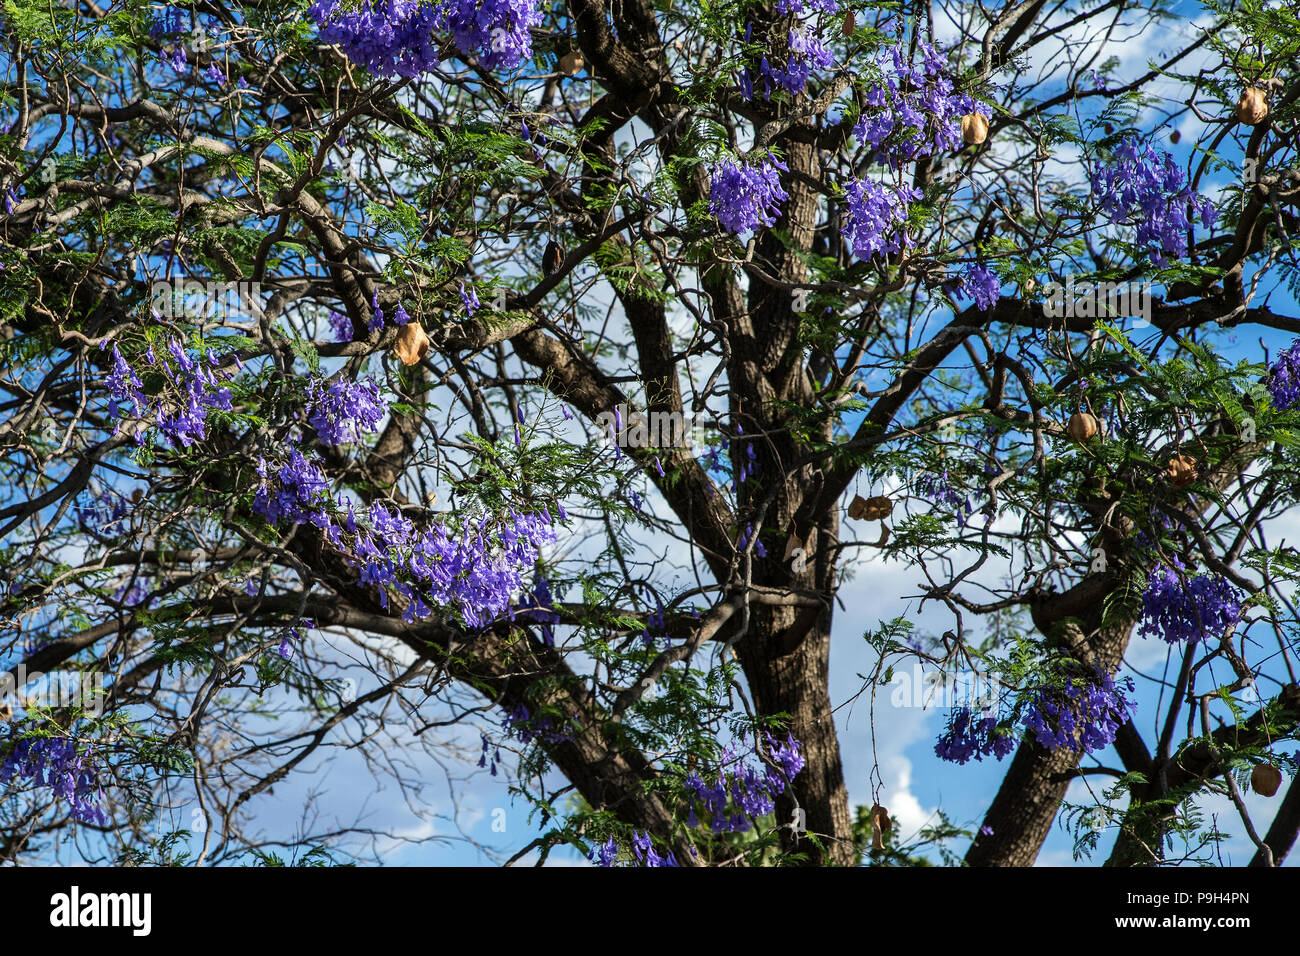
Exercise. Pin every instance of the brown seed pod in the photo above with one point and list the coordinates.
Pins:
(850, 23)
(412, 344)
(877, 507)
(137, 495)
(1182, 470)
(1175, 136)
(1082, 427)
(880, 826)
(552, 257)
(1265, 779)
(1252, 107)
(571, 63)
(974, 129)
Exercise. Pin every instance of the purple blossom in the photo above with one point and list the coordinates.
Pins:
(981, 283)
(123, 387)
(389, 38)
(745, 197)
(1284, 378)
(1084, 713)
(807, 55)
(914, 111)
(341, 326)
(876, 216)
(1180, 609)
(967, 735)
(604, 854)
(497, 31)
(54, 762)
(341, 410)
(469, 298)
(183, 417)
(743, 792)
(1144, 187)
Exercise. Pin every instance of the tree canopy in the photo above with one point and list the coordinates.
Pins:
(502, 393)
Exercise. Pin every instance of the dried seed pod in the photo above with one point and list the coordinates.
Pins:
(877, 507)
(552, 257)
(850, 23)
(412, 344)
(1175, 136)
(571, 63)
(1082, 427)
(1252, 107)
(1265, 779)
(974, 129)
(857, 507)
(880, 826)
(1182, 470)
(137, 495)
(792, 544)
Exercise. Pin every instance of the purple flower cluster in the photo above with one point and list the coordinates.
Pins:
(1083, 714)
(341, 326)
(54, 762)
(745, 197)
(646, 855)
(291, 634)
(197, 392)
(1284, 378)
(1145, 187)
(807, 55)
(797, 7)
(915, 111)
(123, 387)
(969, 736)
(982, 284)
(743, 793)
(300, 493)
(497, 30)
(395, 37)
(343, 409)
(1181, 610)
(475, 571)
(876, 215)
(604, 854)
(388, 37)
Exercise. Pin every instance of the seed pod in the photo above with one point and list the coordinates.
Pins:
(792, 544)
(974, 129)
(1265, 779)
(1182, 470)
(1251, 108)
(1082, 427)
(137, 495)
(1175, 136)
(850, 23)
(858, 507)
(877, 507)
(412, 344)
(552, 257)
(571, 63)
(880, 826)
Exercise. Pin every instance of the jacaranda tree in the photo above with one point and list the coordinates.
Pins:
(403, 382)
